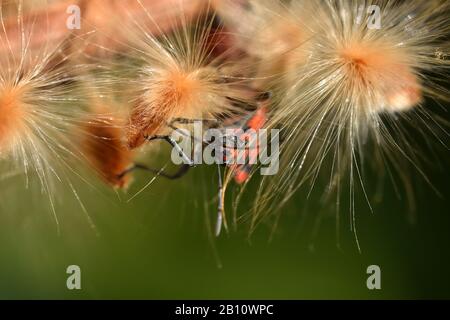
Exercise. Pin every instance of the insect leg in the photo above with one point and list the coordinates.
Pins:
(208, 122)
(178, 174)
(175, 145)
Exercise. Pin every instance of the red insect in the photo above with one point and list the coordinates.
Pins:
(239, 156)
(246, 137)
(243, 154)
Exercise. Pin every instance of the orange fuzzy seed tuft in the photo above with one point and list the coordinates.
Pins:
(11, 115)
(176, 94)
(383, 72)
(106, 152)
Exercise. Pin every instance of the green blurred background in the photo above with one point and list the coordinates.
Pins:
(159, 246)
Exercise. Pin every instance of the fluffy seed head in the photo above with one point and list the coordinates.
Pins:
(103, 146)
(37, 98)
(181, 75)
(273, 33)
(11, 116)
(355, 85)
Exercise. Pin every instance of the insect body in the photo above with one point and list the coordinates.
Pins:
(244, 150)
(238, 148)
(243, 154)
